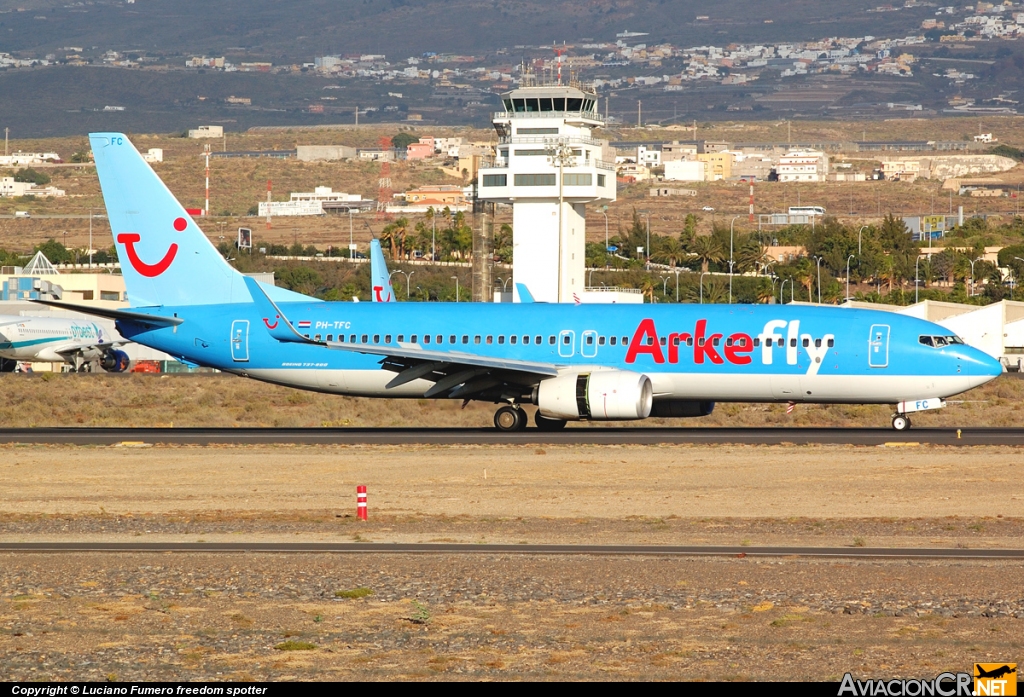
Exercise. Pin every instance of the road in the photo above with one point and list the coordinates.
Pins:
(518, 549)
(486, 436)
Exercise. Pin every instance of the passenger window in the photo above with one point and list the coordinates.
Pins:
(566, 340)
(728, 342)
(590, 339)
(501, 339)
(792, 342)
(613, 340)
(600, 341)
(490, 339)
(689, 341)
(365, 339)
(330, 337)
(412, 339)
(551, 340)
(465, 338)
(476, 339)
(650, 341)
(625, 340)
(526, 339)
(675, 341)
(540, 340)
(426, 338)
(767, 342)
(806, 342)
(316, 337)
(401, 338)
(700, 341)
(376, 338)
(451, 338)
(352, 339)
(715, 341)
(662, 341)
(817, 343)
(757, 342)
(512, 339)
(387, 338)
(440, 339)
(306, 335)
(831, 343)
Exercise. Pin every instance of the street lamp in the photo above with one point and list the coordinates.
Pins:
(917, 278)
(731, 223)
(703, 273)
(972, 274)
(647, 249)
(677, 285)
(817, 262)
(456, 288)
(560, 155)
(782, 291)
(848, 277)
(664, 285)
(408, 278)
(90, 237)
(862, 227)
(604, 212)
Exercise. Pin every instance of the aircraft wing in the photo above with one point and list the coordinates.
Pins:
(454, 373)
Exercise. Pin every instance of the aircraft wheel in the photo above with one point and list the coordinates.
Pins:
(900, 422)
(546, 424)
(509, 418)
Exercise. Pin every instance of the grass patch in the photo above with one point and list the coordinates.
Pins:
(292, 645)
(360, 592)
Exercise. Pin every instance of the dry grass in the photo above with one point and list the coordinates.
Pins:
(225, 401)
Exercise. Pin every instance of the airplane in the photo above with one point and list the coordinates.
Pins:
(380, 279)
(574, 362)
(79, 342)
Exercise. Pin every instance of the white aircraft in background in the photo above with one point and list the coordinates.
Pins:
(79, 342)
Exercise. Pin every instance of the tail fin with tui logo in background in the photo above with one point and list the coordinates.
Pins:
(380, 279)
(165, 258)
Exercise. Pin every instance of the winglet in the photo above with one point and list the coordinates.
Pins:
(273, 319)
(525, 296)
(380, 280)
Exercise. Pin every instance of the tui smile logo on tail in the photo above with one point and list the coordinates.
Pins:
(128, 239)
(269, 325)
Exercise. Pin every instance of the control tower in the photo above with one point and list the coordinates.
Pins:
(548, 167)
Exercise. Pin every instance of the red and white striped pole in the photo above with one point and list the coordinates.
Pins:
(361, 501)
(751, 200)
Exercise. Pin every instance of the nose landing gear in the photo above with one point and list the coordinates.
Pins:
(510, 418)
(900, 422)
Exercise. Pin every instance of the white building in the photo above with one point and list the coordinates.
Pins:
(548, 169)
(684, 170)
(325, 194)
(154, 155)
(206, 132)
(22, 159)
(803, 166)
(290, 208)
(11, 188)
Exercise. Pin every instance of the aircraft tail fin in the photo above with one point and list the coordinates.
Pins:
(165, 258)
(525, 296)
(380, 280)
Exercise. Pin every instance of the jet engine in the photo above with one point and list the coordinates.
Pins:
(114, 361)
(604, 395)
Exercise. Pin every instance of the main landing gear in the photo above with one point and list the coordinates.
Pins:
(510, 418)
(900, 422)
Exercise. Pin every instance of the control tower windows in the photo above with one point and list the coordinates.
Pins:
(573, 104)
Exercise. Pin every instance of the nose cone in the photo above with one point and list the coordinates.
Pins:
(979, 366)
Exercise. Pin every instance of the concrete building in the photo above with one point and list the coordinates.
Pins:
(547, 168)
(803, 166)
(206, 132)
(677, 151)
(419, 151)
(153, 155)
(717, 165)
(901, 170)
(685, 171)
(438, 196)
(23, 159)
(11, 188)
(321, 153)
(290, 208)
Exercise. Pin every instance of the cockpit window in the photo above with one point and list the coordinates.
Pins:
(939, 341)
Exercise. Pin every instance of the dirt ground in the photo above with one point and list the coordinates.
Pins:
(379, 616)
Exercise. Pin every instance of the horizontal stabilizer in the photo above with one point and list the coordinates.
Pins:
(123, 315)
(273, 319)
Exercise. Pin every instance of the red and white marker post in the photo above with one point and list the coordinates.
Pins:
(361, 501)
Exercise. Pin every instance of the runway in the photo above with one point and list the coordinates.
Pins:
(517, 549)
(488, 436)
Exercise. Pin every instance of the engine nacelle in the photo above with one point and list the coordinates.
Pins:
(682, 409)
(604, 395)
(114, 361)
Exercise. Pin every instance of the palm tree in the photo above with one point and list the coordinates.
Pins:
(750, 254)
(706, 249)
(670, 250)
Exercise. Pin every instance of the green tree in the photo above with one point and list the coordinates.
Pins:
(403, 139)
(54, 251)
(29, 175)
(706, 250)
